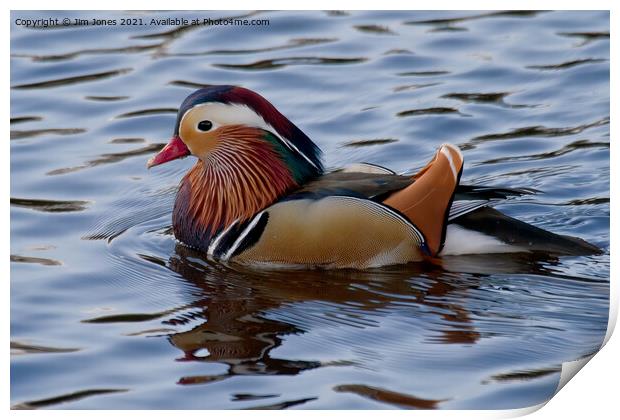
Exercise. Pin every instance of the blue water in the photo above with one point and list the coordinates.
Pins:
(108, 311)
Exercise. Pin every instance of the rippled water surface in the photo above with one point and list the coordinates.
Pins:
(109, 311)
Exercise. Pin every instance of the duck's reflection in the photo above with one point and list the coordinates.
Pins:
(234, 330)
(235, 335)
(235, 307)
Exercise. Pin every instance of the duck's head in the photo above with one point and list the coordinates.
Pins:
(217, 123)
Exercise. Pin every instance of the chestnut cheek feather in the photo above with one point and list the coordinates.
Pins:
(240, 179)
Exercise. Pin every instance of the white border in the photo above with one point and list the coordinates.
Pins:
(593, 394)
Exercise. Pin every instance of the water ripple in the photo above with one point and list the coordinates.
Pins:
(397, 399)
(34, 260)
(108, 158)
(495, 98)
(22, 134)
(25, 118)
(567, 64)
(35, 404)
(428, 111)
(73, 80)
(252, 397)
(371, 142)
(424, 73)
(106, 98)
(448, 29)
(138, 208)
(188, 84)
(108, 319)
(127, 140)
(150, 111)
(417, 86)
(283, 405)
(525, 375)
(539, 131)
(448, 21)
(586, 37)
(571, 147)
(375, 29)
(19, 348)
(95, 51)
(50, 206)
(292, 61)
(292, 43)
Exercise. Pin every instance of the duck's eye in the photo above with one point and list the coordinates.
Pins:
(205, 125)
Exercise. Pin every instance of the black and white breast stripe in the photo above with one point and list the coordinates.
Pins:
(238, 237)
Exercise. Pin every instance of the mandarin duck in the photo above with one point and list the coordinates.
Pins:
(259, 194)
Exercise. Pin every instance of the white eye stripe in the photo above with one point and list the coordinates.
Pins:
(228, 114)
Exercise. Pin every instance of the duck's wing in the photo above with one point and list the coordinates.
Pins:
(354, 184)
(364, 180)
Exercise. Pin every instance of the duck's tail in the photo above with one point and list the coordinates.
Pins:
(427, 201)
(487, 230)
